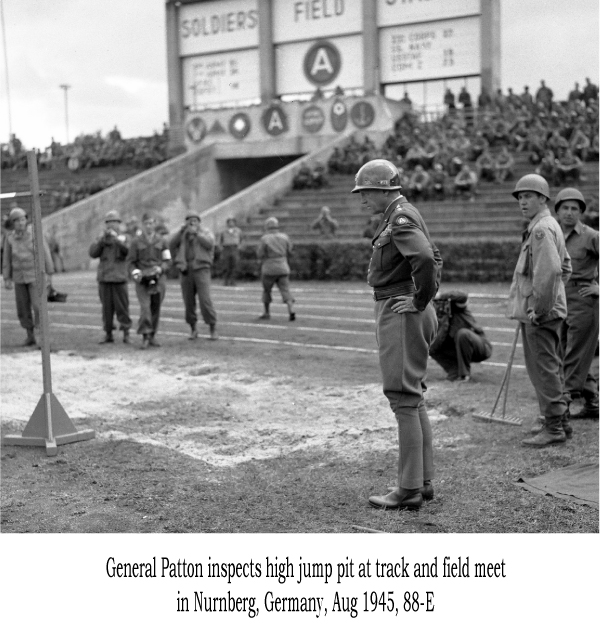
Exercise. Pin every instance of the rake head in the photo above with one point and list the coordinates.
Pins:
(511, 421)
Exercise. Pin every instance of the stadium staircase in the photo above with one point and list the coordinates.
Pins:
(492, 214)
(54, 179)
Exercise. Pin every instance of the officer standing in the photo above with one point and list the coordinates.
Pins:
(18, 269)
(112, 248)
(460, 340)
(537, 300)
(404, 274)
(148, 259)
(230, 241)
(193, 249)
(580, 330)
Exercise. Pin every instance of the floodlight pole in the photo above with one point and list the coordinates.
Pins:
(65, 87)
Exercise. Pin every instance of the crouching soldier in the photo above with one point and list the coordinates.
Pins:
(112, 248)
(460, 340)
(193, 249)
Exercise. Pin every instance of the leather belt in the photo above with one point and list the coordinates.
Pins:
(401, 289)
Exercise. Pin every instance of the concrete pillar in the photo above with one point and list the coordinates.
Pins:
(370, 48)
(266, 52)
(490, 45)
(175, 80)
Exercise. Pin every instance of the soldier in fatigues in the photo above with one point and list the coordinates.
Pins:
(404, 274)
(580, 330)
(537, 300)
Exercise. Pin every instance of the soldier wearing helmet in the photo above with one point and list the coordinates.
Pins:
(537, 300)
(111, 247)
(274, 251)
(404, 274)
(193, 251)
(18, 269)
(580, 329)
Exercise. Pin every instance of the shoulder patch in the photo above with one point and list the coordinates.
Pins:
(401, 220)
(539, 234)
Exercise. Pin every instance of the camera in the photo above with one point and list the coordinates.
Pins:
(150, 281)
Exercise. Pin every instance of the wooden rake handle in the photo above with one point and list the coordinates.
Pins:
(506, 376)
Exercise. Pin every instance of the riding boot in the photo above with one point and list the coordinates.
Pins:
(552, 433)
(566, 424)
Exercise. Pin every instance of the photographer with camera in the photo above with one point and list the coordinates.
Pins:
(148, 259)
(112, 248)
(193, 249)
(459, 340)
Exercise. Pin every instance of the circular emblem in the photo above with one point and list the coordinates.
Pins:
(196, 129)
(322, 63)
(239, 125)
(73, 163)
(313, 119)
(362, 114)
(401, 220)
(339, 115)
(275, 120)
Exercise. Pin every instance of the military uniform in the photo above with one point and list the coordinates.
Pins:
(580, 329)
(231, 239)
(406, 262)
(538, 284)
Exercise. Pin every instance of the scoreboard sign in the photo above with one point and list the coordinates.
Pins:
(432, 50)
(397, 12)
(207, 27)
(221, 78)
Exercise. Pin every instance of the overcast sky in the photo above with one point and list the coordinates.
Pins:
(113, 54)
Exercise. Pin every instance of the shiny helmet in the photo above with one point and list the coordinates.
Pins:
(377, 174)
(112, 216)
(271, 222)
(570, 193)
(16, 213)
(532, 182)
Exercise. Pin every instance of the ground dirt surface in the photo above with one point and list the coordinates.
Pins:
(276, 427)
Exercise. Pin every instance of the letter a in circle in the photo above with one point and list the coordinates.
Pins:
(321, 63)
(275, 121)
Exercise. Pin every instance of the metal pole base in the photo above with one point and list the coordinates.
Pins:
(49, 414)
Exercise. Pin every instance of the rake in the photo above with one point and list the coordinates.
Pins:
(511, 421)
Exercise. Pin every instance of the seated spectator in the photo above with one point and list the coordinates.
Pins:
(416, 155)
(557, 143)
(594, 151)
(590, 215)
(431, 150)
(310, 178)
(455, 164)
(478, 145)
(460, 340)
(568, 169)
(547, 166)
(465, 183)
(418, 185)
(501, 135)
(579, 143)
(504, 165)
(485, 166)
(438, 182)
(325, 224)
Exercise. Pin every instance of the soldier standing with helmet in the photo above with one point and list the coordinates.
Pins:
(537, 300)
(148, 259)
(193, 249)
(580, 329)
(18, 269)
(404, 274)
(112, 248)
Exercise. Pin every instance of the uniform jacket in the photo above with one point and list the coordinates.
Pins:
(403, 250)
(449, 326)
(582, 246)
(543, 268)
(231, 236)
(18, 264)
(273, 251)
(144, 254)
(195, 251)
(112, 253)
